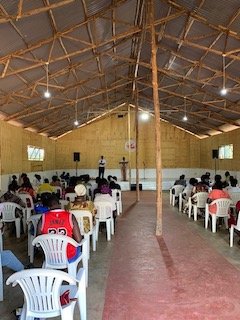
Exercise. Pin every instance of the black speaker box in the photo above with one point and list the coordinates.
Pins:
(134, 187)
(215, 154)
(76, 156)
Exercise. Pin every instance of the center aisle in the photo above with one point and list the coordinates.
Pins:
(178, 276)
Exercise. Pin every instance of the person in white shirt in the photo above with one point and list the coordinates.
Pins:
(101, 167)
(233, 187)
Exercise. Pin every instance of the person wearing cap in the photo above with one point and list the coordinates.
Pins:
(81, 203)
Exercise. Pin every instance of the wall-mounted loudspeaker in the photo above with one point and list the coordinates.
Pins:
(76, 156)
(215, 154)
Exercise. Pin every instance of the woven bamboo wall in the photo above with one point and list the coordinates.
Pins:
(14, 142)
(108, 137)
(208, 144)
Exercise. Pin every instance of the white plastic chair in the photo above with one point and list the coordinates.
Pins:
(70, 196)
(55, 251)
(197, 201)
(63, 203)
(1, 272)
(42, 289)
(117, 195)
(7, 210)
(89, 192)
(80, 215)
(64, 184)
(233, 226)
(173, 195)
(180, 201)
(223, 206)
(235, 197)
(28, 200)
(58, 190)
(104, 214)
(32, 223)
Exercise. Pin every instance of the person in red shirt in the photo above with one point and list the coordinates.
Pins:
(62, 222)
(216, 193)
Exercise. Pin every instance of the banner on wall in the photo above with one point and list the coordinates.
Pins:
(130, 145)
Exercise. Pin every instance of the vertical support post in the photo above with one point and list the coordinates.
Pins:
(129, 148)
(137, 151)
(157, 121)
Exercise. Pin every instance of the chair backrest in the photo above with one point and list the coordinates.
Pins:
(63, 203)
(238, 222)
(201, 198)
(7, 210)
(222, 206)
(55, 249)
(27, 199)
(235, 197)
(178, 188)
(79, 215)
(116, 194)
(70, 196)
(42, 289)
(34, 220)
(58, 190)
(104, 210)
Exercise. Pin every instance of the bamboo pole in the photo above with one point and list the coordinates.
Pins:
(137, 151)
(157, 122)
(129, 147)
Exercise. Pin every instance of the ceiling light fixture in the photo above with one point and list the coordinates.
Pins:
(76, 123)
(144, 116)
(185, 118)
(223, 91)
(47, 93)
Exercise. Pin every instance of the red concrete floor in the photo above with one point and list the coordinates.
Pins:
(178, 276)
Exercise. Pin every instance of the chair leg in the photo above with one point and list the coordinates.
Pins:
(88, 245)
(231, 235)
(94, 241)
(30, 248)
(72, 269)
(108, 227)
(17, 224)
(214, 223)
(118, 208)
(189, 211)
(180, 202)
(24, 221)
(173, 200)
(112, 226)
(195, 213)
(82, 299)
(85, 267)
(206, 219)
(97, 229)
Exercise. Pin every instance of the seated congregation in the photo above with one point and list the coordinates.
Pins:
(63, 208)
(216, 200)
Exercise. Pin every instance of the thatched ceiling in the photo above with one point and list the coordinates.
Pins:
(99, 51)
